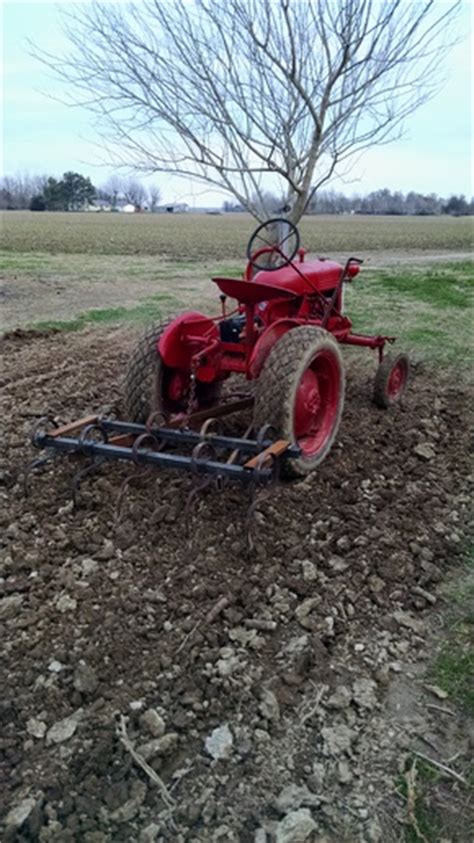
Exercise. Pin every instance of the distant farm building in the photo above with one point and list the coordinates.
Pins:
(179, 208)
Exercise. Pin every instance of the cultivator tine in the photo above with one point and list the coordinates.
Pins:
(237, 453)
(137, 450)
(189, 506)
(91, 432)
(267, 431)
(80, 475)
(138, 475)
(203, 451)
(88, 433)
(49, 456)
(145, 438)
(43, 423)
(259, 492)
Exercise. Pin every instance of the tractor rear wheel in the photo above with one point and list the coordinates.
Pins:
(300, 392)
(147, 379)
(391, 379)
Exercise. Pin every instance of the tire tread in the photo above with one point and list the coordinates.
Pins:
(273, 401)
(382, 375)
(138, 381)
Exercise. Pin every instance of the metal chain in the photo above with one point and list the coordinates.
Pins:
(192, 388)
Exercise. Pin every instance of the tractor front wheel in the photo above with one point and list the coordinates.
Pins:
(149, 382)
(300, 392)
(391, 379)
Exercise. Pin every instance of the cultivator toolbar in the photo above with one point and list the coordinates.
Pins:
(174, 444)
(253, 460)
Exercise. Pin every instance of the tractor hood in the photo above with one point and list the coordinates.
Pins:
(321, 274)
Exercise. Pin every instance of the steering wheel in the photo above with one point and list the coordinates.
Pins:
(273, 244)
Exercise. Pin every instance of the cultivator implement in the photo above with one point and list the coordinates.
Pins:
(253, 460)
(169, 445)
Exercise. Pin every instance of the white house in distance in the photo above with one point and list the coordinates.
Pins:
(123, 207)
(120, 206)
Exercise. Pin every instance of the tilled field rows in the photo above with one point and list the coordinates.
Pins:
(255, 686)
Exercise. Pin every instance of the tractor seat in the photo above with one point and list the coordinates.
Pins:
(252, 292)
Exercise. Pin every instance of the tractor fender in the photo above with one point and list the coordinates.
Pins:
(180, 340)
(266, 341)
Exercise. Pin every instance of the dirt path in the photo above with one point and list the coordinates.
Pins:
(271, 696)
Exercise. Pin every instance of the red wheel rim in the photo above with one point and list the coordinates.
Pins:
(316, 403)
(397, 380)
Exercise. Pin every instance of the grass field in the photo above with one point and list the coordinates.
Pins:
(68, 271)
(200, 237)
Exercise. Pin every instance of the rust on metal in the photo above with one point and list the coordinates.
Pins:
(72, 426)
(124, 440)
(276, 449)
(213, 412)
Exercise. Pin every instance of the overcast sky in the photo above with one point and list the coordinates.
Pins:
(41, 135)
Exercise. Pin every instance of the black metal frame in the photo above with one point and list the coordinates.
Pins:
(150, 440)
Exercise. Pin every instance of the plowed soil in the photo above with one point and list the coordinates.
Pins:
(109, 612)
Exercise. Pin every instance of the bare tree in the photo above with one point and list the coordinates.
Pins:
(254, 95)
(154, 194)
(265, 202)
(127, 189)
(16, 192)
(134, 192)
(112, 190)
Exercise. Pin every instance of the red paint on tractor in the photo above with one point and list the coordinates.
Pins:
(316, 403)
(253, 292)
(178, 386)
(266, 342)
(187, 335)
(317, 275)
(397, 380)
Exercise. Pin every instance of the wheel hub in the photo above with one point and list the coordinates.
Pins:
(316, 403)
(396, 380)
(308, 403)
(178, 386)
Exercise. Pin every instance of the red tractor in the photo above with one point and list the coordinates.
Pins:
(284, 332)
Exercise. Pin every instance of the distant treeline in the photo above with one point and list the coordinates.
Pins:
(74, 192)
(382, 202)
(386, 202)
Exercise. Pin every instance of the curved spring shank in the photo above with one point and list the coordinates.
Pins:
(203, 451)
(80, 475)
(259, 492)
(49, 456)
